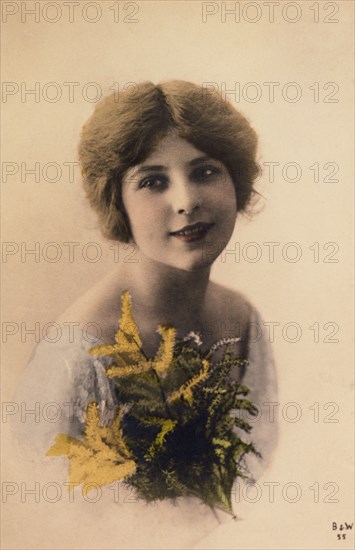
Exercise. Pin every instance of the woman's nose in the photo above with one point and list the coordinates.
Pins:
(185, 199)
(188, 212)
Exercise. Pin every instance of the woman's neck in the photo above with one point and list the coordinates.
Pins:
(167, 295)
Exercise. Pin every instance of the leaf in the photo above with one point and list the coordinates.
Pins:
(128, 370)
(225, 443)
(242, 424)
(128, 331)
(178, 411)
(185, 391)
(106, 349)
(101, 457)
(168, 425)
(165, 352)
(223, 496)
(61, 445)
(127, 336)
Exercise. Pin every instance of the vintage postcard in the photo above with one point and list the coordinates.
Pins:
(177, 275)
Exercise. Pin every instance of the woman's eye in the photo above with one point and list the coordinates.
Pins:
(206, 172)
(153, 182)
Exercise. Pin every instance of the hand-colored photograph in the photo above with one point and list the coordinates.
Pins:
(176, 260)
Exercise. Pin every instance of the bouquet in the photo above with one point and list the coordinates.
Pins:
(175, 431)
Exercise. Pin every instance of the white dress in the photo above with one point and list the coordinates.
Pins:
(58, 383)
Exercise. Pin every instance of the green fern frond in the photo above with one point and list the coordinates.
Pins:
(167, 427)
(185, 391)
(175, 430)
(225, 443)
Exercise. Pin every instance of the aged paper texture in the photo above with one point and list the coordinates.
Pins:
(288, 67)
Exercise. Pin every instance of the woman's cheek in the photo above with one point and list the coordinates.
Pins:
(140, 216)
(147, 227)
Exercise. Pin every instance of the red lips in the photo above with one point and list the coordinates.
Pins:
(194, 232)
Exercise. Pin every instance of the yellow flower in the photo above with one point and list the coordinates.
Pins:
(165, 352)
(128, 342)
(100, 458)
(127, 351)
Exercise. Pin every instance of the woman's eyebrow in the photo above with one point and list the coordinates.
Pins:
(150, 167)
(198, 160)
(160, 167)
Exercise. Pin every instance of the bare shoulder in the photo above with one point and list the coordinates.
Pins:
(230, 304)
(99, 307)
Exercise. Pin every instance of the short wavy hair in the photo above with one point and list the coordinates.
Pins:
(126, 126)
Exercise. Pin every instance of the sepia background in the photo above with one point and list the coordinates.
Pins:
(288, 68)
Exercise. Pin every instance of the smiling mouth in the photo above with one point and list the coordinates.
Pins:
(194, 232)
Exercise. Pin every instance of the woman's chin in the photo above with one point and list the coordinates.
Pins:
(186, 256)
(193, 260)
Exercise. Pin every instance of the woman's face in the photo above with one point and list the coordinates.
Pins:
(181, 205)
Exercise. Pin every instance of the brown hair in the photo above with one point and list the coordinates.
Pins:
(125, 128)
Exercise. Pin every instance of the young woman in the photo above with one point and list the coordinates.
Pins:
(167, 168)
